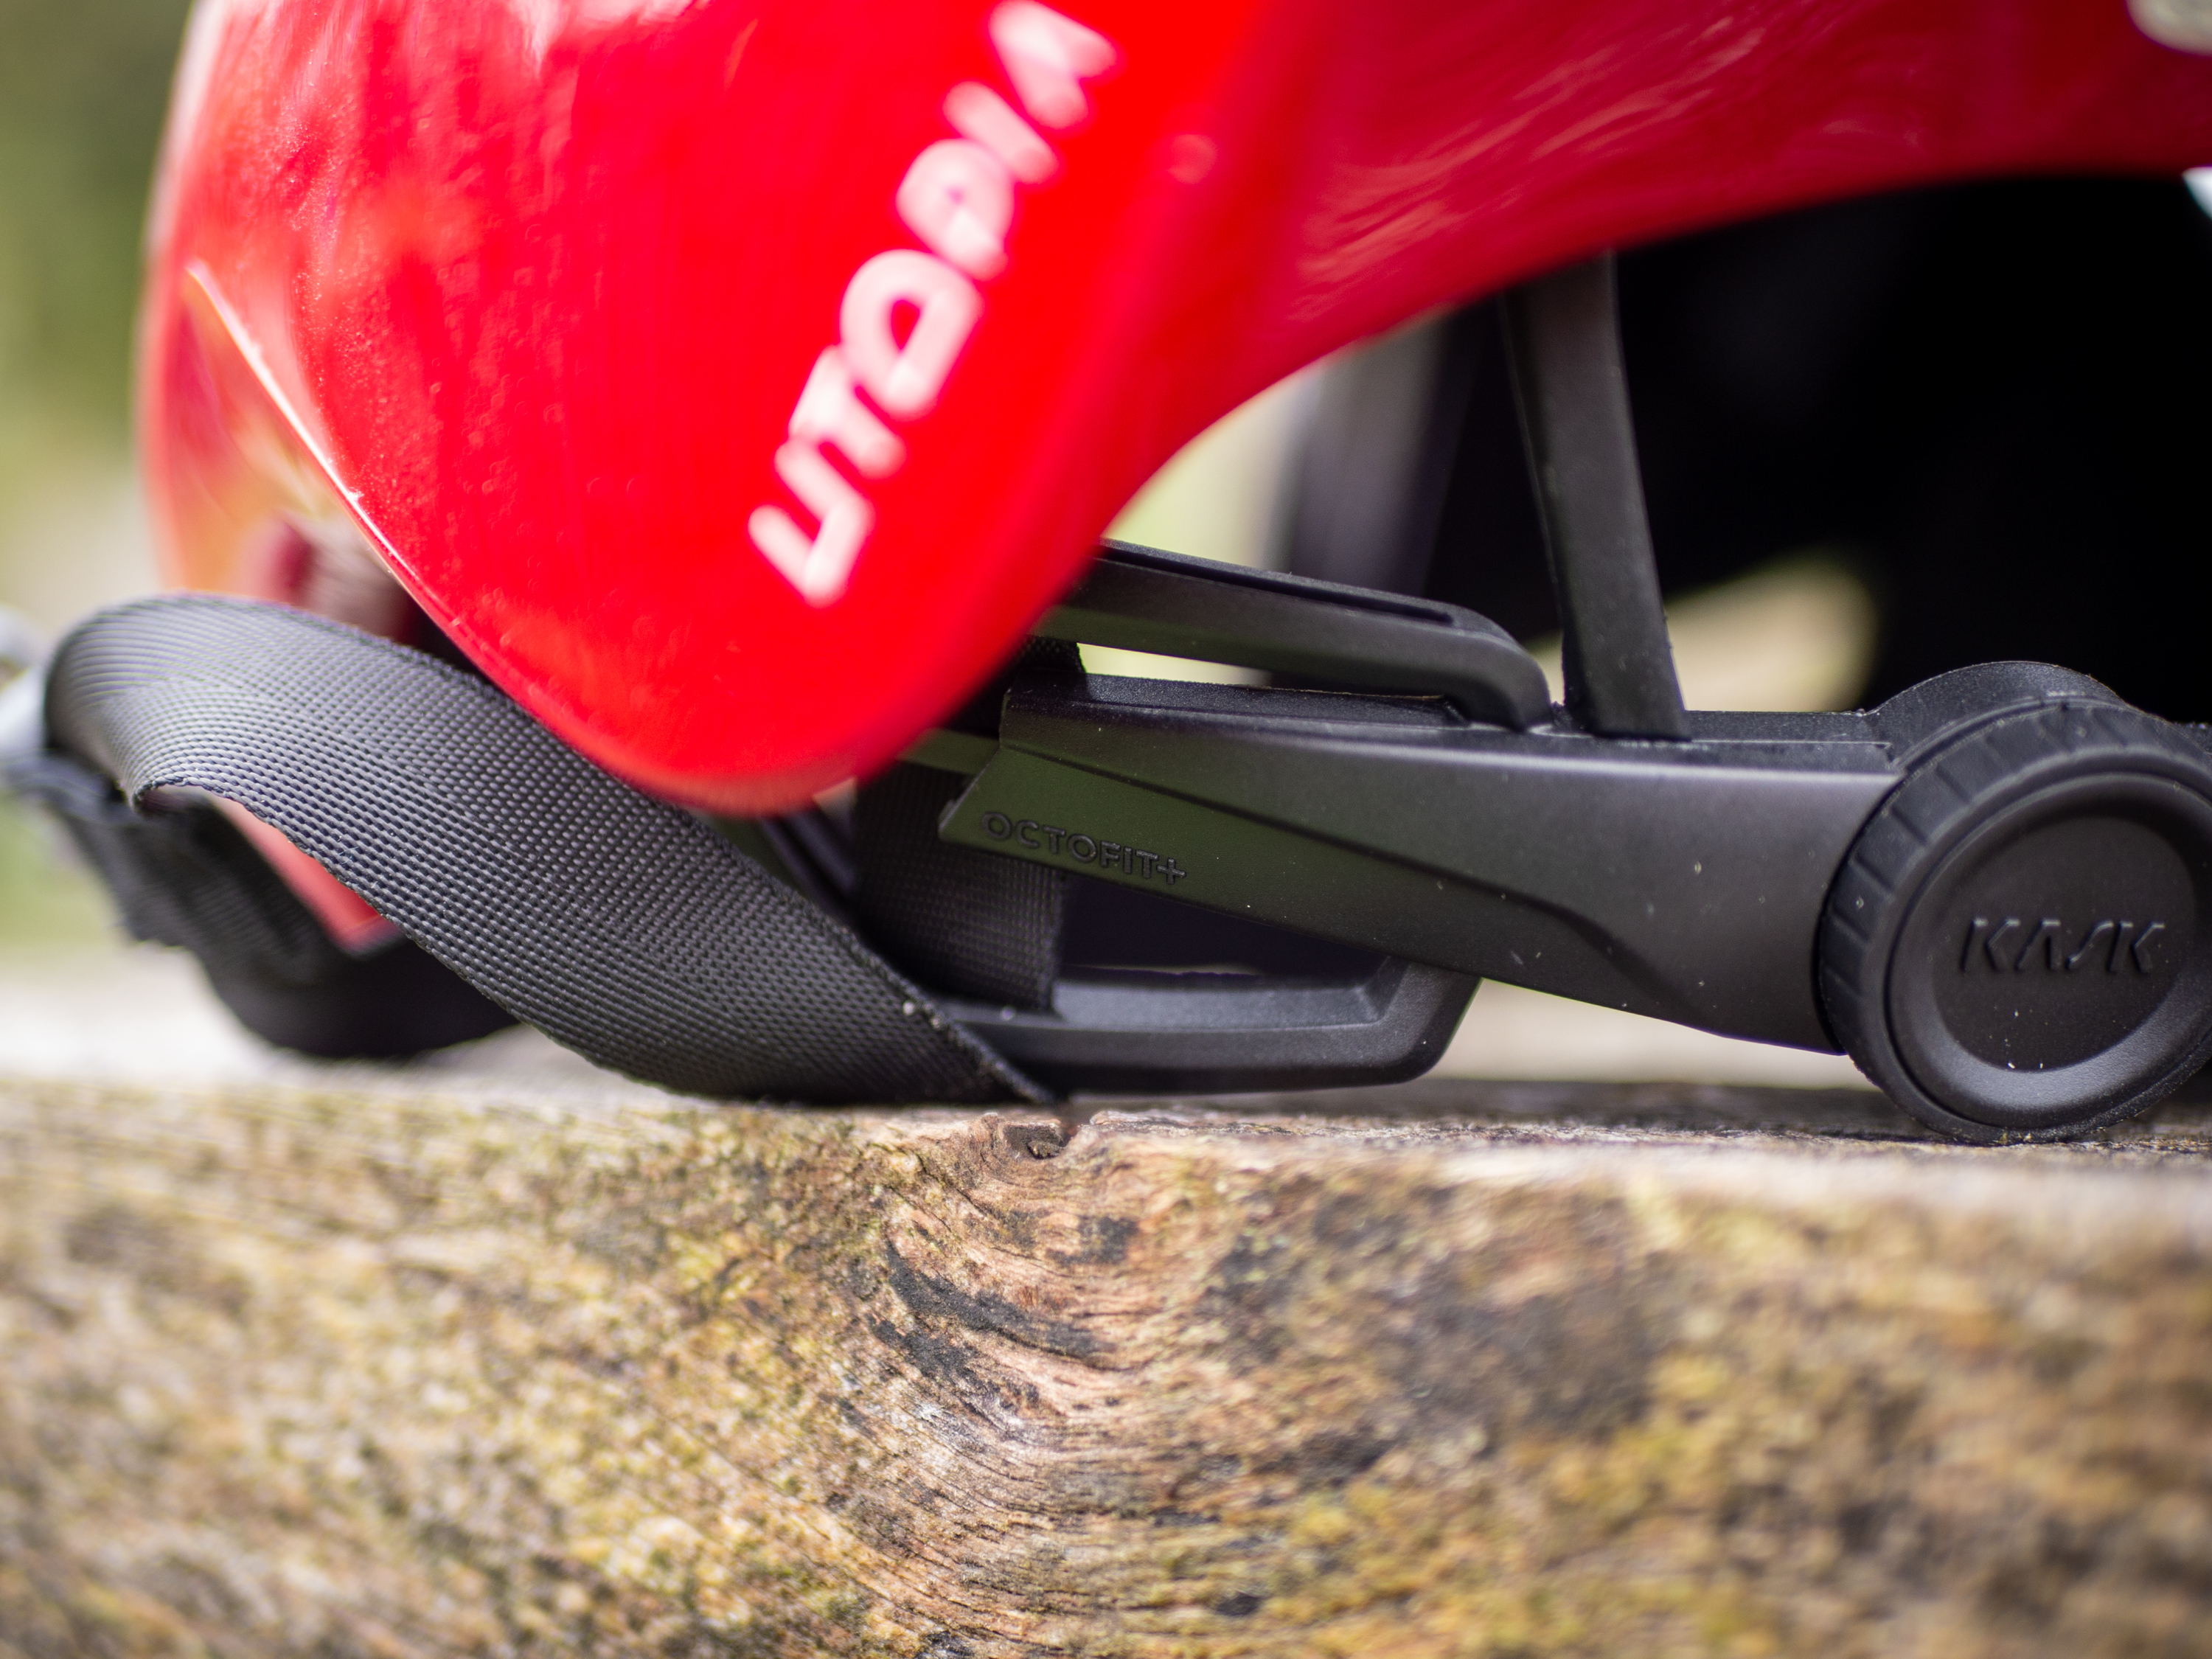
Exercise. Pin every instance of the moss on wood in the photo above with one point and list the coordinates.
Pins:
(362, 1372)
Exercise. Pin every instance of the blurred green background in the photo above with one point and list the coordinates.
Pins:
(83, 85)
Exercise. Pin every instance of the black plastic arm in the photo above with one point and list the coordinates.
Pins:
(1216, 1033)
(1563, 335)
(1140, 599)
(1684, 880)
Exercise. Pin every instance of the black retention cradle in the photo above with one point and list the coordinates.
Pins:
(1991, 892)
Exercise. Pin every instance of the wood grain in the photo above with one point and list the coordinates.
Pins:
(1460, 1370)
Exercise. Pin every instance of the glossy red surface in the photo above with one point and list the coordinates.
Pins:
(531, 290)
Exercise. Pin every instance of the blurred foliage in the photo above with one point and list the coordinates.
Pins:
(83, 86)
(46, 898)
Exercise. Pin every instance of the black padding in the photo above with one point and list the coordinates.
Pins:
(619, 926)
(184, 875)
(391, 1003)
(970, 924)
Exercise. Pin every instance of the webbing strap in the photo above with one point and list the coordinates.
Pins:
(186, 876)
(621, 926)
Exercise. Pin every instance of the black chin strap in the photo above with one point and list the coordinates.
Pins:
(622, 928)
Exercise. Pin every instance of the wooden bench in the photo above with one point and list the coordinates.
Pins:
(378, 1364)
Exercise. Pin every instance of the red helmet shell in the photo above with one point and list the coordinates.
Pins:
(735, 380)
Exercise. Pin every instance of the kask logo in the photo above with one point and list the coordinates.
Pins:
(958, 198)
(2012, 944)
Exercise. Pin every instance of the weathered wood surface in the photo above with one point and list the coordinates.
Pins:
(341, 1370)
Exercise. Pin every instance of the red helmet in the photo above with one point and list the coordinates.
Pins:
(734, 384)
